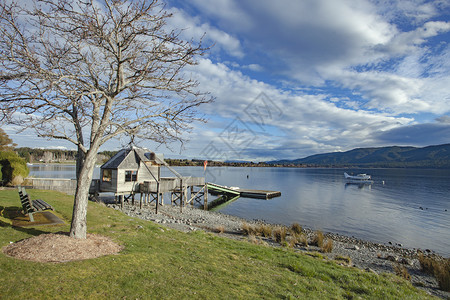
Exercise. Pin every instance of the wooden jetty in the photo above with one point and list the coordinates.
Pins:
(137, 171)
(247, 193)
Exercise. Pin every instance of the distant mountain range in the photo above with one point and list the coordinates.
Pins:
(389, 157)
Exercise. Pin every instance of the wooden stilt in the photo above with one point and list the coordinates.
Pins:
(181, 195)
(157, 197)
(205, 198)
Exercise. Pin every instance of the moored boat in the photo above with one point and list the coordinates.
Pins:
(360, 178)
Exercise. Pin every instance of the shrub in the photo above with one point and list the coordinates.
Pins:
(291, 241)
(252, 239)
(439, 268)
(318, 239)
(302, 240)
(14, 168)
(220, 229)
(256, 241)
(327, 246)
(427, 264)
(345, 259)
(279, 234)
(402, 272)
(296, 229)
(264, 230)
(315, 254)
(442, 274)
(248, 229)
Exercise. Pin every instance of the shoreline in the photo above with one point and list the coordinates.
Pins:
(365, 255)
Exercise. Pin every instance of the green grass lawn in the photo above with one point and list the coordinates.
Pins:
(167, 264)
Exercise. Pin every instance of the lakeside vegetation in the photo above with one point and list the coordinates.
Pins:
(161, 263)
(382, 157)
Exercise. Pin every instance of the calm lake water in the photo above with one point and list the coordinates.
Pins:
(411, 208)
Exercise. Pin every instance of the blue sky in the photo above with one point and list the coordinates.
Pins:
(295, 78)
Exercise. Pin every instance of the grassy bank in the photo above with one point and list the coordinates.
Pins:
(159, 263)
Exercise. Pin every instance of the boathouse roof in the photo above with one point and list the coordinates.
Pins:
(115, 161)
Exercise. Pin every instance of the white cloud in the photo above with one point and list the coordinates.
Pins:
(307, 124)
(405, 42)
(354, 44)
(194, 28)
(254, 67)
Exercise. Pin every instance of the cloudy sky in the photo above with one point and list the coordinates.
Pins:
(294, 78)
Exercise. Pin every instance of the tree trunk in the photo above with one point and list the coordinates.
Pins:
(78, 226)
(80, 161)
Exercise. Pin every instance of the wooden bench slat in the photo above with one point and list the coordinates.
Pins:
(37, 205)
(42, 204)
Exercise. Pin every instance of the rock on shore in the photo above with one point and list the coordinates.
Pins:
(372, 257)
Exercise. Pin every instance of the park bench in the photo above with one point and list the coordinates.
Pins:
(32, 206)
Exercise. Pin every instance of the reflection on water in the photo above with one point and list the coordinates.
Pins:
(409, 208)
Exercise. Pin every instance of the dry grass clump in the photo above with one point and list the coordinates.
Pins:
(327, 246)
(257, 230)
(248, 229)
(296, 229)
(343, 259)
(291, 241)
(256, 241)
(302, 240)
(440, 268)
(279, 233)
(318, 239)
(220, 229)
(264, 230)
(402, 272)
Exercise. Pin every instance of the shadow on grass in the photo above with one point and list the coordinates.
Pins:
(13, 212)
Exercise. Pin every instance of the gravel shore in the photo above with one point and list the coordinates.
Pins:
(372, 257)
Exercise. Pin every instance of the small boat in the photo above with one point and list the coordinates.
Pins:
(360, 178)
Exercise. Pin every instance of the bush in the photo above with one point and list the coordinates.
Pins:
(264, 230)
(296, 229)
(327, 246)
(248, 229)
(14, 168)
(439, 268)
(318, 239)
(291, 241)
(402, 272)
(344, 259)
(220, 229)
(279, 234)
(442, 274)
(302, 240)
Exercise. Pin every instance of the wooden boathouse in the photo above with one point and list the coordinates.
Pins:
(138, 171)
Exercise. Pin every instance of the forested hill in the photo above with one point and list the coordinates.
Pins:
(426, 157)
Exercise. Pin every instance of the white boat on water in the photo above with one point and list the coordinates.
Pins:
(360, 178)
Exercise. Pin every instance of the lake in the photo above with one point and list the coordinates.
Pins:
(403, 206)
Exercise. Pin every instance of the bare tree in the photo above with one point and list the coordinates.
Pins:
(89, 71)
